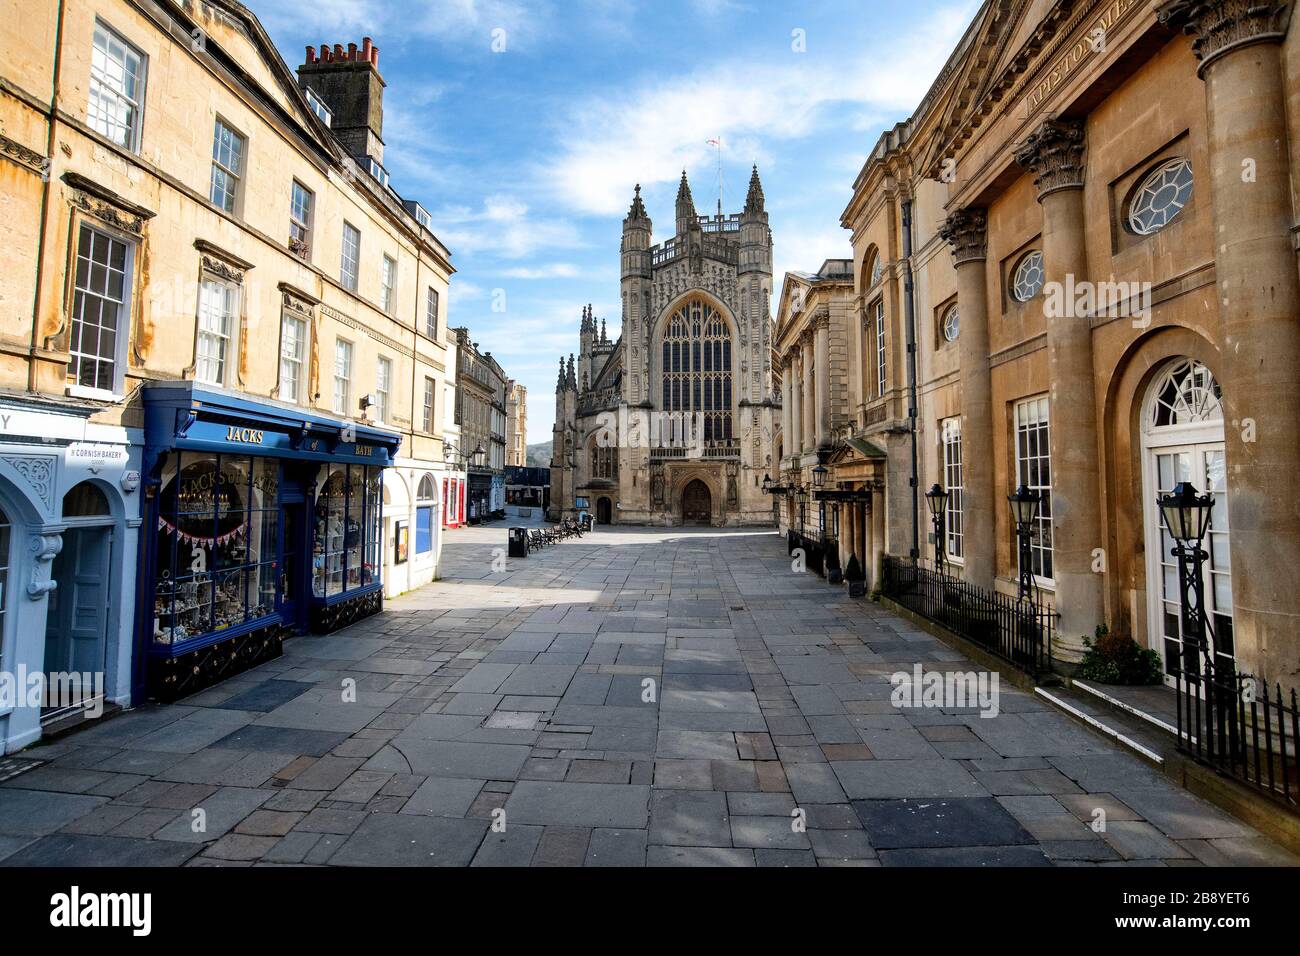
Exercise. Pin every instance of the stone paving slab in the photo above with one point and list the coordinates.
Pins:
(525, 693)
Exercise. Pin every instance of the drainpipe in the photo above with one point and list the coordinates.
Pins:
(50, 138)
(910, 315)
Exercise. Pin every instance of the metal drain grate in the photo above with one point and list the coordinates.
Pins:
(11, 767)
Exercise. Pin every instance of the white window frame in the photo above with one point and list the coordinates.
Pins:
(350, 265)
(430, 404)
(220, 169)
(224, 340)
(388, 284)
(432, 304)
(343, 353)
(954, 514)
(882, 365)
(383, 388)
(292, 366)
(103, 84)
(1034, 414)
(122, 329)
(301, 224)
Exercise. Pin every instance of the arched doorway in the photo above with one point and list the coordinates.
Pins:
(77, 616)
(1182, 440)
(604, 511)
(697, 503)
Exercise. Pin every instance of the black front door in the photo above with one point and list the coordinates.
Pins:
(294, 554)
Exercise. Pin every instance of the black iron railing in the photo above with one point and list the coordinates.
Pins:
(1240, 726)
(1019, 632)
(813, 547)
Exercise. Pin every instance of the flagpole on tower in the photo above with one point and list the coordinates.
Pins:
(716, 143)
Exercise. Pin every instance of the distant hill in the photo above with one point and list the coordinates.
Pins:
(539, 455)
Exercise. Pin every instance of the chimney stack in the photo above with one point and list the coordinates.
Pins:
(348, 81)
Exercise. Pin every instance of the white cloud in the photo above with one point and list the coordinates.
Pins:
(649, 134)
(503, 227)
(553, 270)
(469, 22)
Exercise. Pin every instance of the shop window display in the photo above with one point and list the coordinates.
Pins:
(345, 551)
(217, 545)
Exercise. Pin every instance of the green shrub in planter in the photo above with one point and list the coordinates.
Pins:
(1112, 659)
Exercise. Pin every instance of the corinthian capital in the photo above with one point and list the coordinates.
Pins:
(1220, 26)
(966, 232)
(1054, 154)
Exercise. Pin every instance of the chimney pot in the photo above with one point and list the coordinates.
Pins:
(374, 57)
(366, 44)
(338, 51)
(352, 52)
(311, 54)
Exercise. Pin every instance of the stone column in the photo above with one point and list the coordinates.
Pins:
(966, 232)
(822, 362)
(1054, 154)
(809, 400)
(796, 408)
(786, 371)
(1239, 46)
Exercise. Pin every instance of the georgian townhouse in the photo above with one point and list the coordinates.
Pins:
(224, 347)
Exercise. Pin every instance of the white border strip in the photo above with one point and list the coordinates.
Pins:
(1129, 708)
(1098, 725)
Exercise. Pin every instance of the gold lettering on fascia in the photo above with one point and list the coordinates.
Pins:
(1079, 51)
(245, 436)
(365, 451)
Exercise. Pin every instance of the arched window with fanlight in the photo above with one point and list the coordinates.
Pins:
(695, 365)
(1182, 441)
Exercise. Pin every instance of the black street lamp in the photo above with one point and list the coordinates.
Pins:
(767, 484)
(1024, 511)
(819, 476)
(937, 499)
(1187, 517)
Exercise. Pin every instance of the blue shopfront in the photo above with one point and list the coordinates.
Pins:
(262, 521)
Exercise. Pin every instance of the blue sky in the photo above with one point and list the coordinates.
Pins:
(526, 156)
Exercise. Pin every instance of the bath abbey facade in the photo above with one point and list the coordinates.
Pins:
(672, 423)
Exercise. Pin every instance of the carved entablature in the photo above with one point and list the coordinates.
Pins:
(1054, 154)
(1220, 26)
(105, 205)
(223, 264)
(28, 158)
(297, 302)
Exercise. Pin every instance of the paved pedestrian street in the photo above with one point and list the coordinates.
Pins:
(635, 697)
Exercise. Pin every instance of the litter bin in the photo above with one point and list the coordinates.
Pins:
(518, 543)
(587, 522)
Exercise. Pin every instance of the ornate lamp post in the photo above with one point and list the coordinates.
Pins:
(767, 484)
(937, 499)
(1187, 517)
(1024, 511)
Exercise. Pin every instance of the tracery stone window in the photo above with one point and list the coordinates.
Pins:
(1028, 279)
(603, 461)
(696, 368)
(1162, 196)
(951, 324)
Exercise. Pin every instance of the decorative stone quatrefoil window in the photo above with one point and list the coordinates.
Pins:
(1162, 196)
(1028, 279)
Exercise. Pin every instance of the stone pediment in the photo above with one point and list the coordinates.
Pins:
(1022, 49)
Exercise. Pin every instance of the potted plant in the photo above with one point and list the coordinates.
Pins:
(834, 573)
(855, 578)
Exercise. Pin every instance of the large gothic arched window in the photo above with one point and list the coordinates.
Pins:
(696, 367)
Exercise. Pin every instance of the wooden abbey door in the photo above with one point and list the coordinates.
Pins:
(697, 503)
